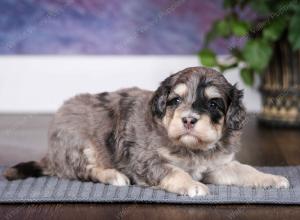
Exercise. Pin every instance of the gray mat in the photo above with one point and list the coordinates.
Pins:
(52, 189)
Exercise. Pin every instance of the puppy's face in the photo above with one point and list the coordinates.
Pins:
(196, 106)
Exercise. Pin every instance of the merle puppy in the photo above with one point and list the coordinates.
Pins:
(177, 138)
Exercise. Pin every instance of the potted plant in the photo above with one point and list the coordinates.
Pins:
(268, 46)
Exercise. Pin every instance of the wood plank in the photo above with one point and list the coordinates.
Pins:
(148, 211)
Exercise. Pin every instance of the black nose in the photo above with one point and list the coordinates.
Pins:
(189, 122)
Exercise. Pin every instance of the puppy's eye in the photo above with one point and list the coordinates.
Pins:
(174, 102)
(216, 104)
(213, 105)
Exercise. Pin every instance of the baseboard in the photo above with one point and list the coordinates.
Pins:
(39, 84)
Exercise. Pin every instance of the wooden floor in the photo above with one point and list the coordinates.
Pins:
(23, 137)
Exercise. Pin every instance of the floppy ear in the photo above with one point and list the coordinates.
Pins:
(159, 100)
(236, 113)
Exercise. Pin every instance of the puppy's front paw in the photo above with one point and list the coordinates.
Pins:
(190, 188)
(111, 176)
(180, 182)
(280, 182)
(268, 180)
(194, 189)
(120, 180)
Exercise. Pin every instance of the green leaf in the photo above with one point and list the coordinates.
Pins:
(294, 31)
(224, 67)
(274, 30)
(209, 37)
(222, 28)
(208, 57)
(257, 53)
(247, 76)
(240, 28)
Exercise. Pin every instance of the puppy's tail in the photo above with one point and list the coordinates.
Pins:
(24, 170)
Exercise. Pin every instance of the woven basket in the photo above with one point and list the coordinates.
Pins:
(281, 88)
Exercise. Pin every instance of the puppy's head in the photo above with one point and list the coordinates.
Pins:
(197, 106)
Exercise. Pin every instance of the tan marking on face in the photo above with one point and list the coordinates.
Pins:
(167, 118)
(212, 92)
(207, 131)
(175, 127)
(203, 136)
(177, 131)
(181, 89)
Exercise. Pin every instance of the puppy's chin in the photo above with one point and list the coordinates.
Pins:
(192, 142)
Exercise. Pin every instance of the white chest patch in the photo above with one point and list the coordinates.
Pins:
(197, 165)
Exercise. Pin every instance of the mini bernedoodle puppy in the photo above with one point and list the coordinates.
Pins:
(177, 138)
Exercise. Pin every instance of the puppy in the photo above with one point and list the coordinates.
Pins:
(177, 138)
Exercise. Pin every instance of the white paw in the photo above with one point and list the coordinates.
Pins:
(281, 182)
(275, 181)
(119, 180)
(193, 189)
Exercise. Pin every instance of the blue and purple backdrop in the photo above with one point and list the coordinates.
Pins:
(107, 27)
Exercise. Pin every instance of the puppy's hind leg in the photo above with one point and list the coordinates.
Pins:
(103, 172)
